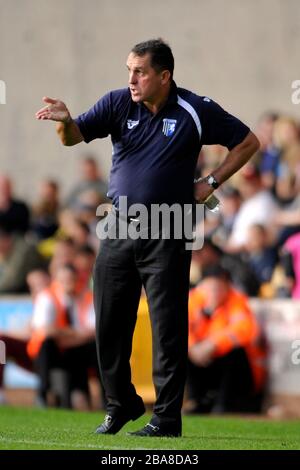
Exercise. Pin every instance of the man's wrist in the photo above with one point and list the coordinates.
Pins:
(212, 181)
(68, 120)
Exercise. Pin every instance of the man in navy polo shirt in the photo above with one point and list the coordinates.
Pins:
(157, 131)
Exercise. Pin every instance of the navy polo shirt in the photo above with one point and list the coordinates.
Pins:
(154, 156)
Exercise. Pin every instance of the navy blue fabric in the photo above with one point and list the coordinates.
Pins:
(151, 166)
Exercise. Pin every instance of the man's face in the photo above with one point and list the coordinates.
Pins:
(67, 281)
(145, 82)
(216, 292)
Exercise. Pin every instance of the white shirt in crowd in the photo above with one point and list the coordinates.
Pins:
(44, 313)
(258, 209)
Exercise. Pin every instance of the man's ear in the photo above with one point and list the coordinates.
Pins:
(165, 76)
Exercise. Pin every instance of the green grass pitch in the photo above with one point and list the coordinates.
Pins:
(60, 429)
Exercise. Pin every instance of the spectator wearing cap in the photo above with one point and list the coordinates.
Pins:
(226, 359)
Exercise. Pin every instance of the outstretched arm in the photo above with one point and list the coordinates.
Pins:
(66, 127)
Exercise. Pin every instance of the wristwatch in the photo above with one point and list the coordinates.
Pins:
(211, 180)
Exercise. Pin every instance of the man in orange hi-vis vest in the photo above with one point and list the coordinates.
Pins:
(226, 370)
(62, 336)
(64, 333)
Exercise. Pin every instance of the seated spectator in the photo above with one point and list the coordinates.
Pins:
(230, 200)
(17, 258)
(258, 207)
(287, 218)
(79, 233)
(260, 256)
(64, 323)
(45, 213)
(16, 341)
(13, 213)
(64, 252)
(91, 180)
(73, 227)
(83, 261)
(37, 281)
(226, 371)
(243, 278)
(61, 336)
(269, 154)
(66, 219)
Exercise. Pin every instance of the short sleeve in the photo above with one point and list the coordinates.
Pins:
(220, 127)
(97, 121)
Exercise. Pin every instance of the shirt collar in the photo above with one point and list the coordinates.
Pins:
(173, 93)
(172, 98)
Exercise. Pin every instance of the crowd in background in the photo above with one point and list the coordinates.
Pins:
(256, 233)
(48, 248)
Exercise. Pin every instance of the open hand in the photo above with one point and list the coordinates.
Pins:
(56, 110)
(202, 353)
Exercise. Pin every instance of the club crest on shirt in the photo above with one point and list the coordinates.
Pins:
(131, 124)
(169, 126)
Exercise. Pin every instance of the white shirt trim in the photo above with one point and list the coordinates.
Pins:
(189, 108)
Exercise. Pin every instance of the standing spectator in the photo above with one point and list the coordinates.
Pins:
(13, 213)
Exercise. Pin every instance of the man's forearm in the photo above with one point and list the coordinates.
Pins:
(69, 132)
(237, 158)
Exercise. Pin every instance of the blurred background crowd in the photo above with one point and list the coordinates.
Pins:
(47, 249)
(255, 235)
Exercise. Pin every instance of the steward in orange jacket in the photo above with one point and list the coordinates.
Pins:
(61, 320)
(63, 333)
(227, 358)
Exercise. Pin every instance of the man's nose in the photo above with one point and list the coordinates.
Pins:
(132, 79)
